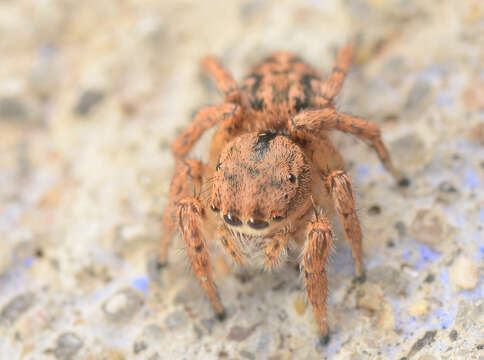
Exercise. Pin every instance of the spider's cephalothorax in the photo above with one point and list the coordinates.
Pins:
(271, 168)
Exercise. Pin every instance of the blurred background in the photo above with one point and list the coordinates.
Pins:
(93, 92)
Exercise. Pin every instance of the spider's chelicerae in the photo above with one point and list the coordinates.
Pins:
(271, 169)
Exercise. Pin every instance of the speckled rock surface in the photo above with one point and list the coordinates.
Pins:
(92, 93)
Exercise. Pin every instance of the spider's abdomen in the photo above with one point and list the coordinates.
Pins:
(282, 83)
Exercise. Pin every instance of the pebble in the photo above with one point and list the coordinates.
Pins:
(16, 307)
(12, 108)
(139, 347)
(87, 101)
(369, 296)
(418, 308)
(300, 305)
(5, 257)
(240, 333)
(429, 227)
(419, 95)
(68, 344)
(386, 316)
(387, 277)
(123, 305)
(176, 320)
(463, 273)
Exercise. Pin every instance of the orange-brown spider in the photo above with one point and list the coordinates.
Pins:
(271, 168)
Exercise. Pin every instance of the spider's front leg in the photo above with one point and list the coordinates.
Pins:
(339, 186)
(190, 216)
(186, 181)
(311, 122)
(204, 120)
(316, 250)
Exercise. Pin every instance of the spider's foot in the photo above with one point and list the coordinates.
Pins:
(404, 182)
(324, 340)
(360, 279)
(160, 265)
(221, 316)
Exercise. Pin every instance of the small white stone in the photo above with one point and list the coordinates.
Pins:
(116, 303)
(463, 273)
(418, 308)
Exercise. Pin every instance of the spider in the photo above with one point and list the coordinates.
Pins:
(272, 169)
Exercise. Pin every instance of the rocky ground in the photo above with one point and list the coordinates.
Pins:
(92, 93)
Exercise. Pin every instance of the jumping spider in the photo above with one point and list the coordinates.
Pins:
(271, 169)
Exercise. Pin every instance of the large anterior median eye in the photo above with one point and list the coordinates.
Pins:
(232, 220)
(257, 224)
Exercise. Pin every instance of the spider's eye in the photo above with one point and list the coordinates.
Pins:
(214, 208)
(257, 224)
(277, 218)
(218, 166)
(292, 178)
(232, 220)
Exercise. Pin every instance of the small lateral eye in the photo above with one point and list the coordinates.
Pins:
(232, 220)
(257, 224)
(214, 208)
(218, 166)
(277, 218)
(292, 178)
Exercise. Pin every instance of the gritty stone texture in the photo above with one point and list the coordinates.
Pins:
(68, 344)
(93, 92)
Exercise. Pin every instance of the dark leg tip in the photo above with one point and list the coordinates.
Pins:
(221, 316)
(324, 340)
(360, 279)
(405, 182)
(160, 265)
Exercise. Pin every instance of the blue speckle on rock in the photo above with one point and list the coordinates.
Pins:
(141, 283)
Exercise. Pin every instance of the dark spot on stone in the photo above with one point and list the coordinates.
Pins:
(480, 347)
(176, 320)
(87, 101)
(199, 248)
(292, 178)
(68, 344)
(39, 253)
(374, 210)
(247, 355)
(239, 333)
(390, 243)
(401, 228)
(218, 166)
(447, 187)
(453, 335)
(429, 278)
(12, 108)
(277, 218)
(139, 347)
(405, 182)
(15, 308)
(427, 339)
